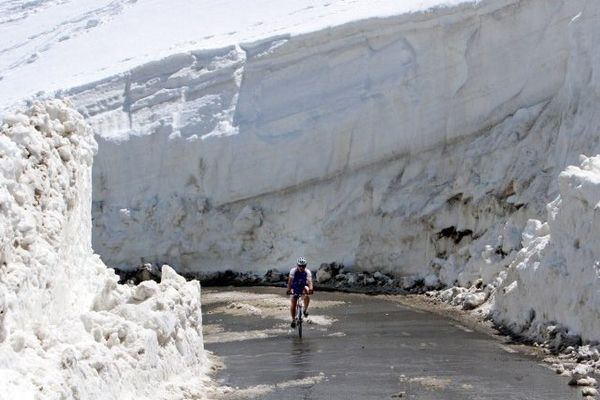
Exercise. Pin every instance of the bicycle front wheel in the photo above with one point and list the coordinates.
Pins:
(299, 311)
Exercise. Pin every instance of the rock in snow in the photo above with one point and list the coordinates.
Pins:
(67, 329)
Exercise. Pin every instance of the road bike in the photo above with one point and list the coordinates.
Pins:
(299, 312)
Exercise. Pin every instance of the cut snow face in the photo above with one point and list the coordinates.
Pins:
(367, 144)
(362, 144)
(67, 330)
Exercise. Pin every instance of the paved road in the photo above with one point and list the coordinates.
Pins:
(377, 349)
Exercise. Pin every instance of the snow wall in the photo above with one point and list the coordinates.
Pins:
(416, 144)
(553, 281)
(67, 330)
(421, 145)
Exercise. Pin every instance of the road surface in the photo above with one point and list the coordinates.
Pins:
(363, 347)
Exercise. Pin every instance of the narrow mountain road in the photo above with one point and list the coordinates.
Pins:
(362, 347)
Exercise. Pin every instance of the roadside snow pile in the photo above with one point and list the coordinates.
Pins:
(555, 279)
(541, 277)
(67, 329)
(549, 293)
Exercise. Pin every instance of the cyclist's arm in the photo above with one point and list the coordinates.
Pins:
(290, 281)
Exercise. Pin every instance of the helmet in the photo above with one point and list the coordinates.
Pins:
(301, 262)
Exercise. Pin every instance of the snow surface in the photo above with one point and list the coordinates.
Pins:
(113, 36)
(67, 329)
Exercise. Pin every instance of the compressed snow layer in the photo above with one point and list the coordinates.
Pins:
(340, 144)
(67, 329)
(113, 36)
(555, 278)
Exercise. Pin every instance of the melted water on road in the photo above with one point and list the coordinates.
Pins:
(362, 347)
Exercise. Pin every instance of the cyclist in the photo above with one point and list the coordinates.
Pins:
(300, 282)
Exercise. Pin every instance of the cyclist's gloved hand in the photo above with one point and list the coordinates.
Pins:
(289, 291)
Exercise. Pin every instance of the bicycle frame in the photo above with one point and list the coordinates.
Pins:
(299, 312)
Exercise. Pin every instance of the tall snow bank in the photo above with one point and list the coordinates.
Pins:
(555, 278)
(67, 329)
(364, 143)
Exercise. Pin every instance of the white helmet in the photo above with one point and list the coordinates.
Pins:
(301, 262)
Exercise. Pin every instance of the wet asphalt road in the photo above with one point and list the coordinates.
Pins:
(378, 349)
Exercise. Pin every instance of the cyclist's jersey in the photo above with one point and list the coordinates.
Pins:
(300, 279)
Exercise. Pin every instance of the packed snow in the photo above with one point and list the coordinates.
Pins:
(555, 278)
(67, 329)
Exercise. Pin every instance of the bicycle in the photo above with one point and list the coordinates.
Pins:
(299, 312)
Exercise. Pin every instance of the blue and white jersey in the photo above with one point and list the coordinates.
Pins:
(300, 279)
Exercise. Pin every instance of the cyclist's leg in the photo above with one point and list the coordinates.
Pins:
(294, 300)
(306, 299)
